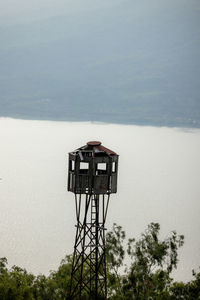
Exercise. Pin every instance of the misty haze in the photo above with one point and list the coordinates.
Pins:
(126, 73)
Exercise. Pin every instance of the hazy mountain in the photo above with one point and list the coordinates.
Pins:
(129, 62)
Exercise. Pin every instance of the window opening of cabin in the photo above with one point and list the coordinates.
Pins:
(101, 166)
(84, 165)
(114, 167)
(71, 165)
(84, 168)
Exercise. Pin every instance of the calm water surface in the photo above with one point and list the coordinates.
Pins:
(159, 175)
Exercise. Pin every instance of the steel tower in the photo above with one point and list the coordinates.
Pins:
(92, 177)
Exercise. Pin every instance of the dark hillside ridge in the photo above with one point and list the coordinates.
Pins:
(113, 65)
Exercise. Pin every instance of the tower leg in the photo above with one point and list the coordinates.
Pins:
(88, 277)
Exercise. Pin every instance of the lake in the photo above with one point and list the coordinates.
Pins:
(159, 171)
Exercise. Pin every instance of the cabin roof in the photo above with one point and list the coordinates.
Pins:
(96, 148)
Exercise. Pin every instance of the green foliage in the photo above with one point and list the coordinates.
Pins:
(186, 291)
(152, 262)
(15, 284)
(115, 257)
(146, 278)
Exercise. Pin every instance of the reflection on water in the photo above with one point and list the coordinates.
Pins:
(159, 171)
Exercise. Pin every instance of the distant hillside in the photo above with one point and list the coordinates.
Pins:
(130, 63)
